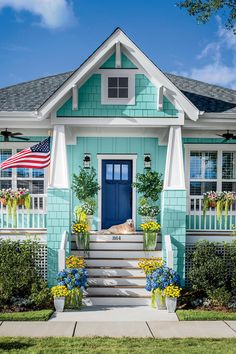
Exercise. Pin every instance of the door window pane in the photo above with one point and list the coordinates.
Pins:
(116, 172)
(109, 172)
(124, 172)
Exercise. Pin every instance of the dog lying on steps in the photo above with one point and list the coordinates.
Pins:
(122, 229)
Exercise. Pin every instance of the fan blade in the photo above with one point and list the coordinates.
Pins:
(17, 137)
(220, 135)
(14, 134)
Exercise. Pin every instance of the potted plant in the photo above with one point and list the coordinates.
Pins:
(59, 292)
(147, 209)
(148, 265)
(75, 262)
(157, 281)
(172, 292)
(75, 280)
(150, 230)
(86, 187)
(81, 229)
(13, 198)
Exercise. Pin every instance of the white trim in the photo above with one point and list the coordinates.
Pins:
(118, 55)
(102, 157)
(74, 98)
(130, 100)
(119, 121)
(219, 148)
(174, 171)
(160, 98)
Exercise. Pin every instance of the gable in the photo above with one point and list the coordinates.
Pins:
(89, 102)
(126, 63)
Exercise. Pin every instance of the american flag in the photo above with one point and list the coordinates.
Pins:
(37, 156)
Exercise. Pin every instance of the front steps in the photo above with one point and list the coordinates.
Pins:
(114, 276)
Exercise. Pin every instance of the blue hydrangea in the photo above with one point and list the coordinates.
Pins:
(161, 278)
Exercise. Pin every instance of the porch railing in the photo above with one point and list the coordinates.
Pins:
(197, 221)
(32, 218)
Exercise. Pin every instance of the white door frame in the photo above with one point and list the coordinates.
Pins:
(102, 157)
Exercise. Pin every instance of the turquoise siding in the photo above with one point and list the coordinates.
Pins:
(125, 63)
(105, 145)
(173, 222)
(89, 102)
(58, 221)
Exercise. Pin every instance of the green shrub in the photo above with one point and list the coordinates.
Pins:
(219, 297)
(149, 184)
(19, 275)
(40, 296)
(208, 269)
(85, 185)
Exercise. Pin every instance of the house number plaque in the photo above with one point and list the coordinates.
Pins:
(116, 238)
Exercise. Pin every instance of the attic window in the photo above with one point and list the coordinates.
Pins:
(118, 89)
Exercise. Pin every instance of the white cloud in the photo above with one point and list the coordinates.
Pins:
(216, 69)
(53, 14)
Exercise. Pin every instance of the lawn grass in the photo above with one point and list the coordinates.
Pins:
(201, 315)
(40, 315)
(113, 345)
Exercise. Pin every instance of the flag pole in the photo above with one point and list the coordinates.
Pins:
(49, 167)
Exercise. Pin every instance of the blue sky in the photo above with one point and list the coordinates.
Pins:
(46, 37)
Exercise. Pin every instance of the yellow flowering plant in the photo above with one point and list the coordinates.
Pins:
(60, 291)
(148, 265)
(80, 228)
(172, 291)
(75, 262)
(150, 226)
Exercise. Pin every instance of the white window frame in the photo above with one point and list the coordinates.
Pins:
(130, 100)
(14, 146)
(208, 148)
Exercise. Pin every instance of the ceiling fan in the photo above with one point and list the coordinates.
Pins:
(227, 136)
(7, 134)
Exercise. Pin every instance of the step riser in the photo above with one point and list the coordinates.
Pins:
(115, 238)
(104, 246)
(117, 301)
(115, 273)
(133, 292)
(116, 282)
(112, 263)
(120, 254)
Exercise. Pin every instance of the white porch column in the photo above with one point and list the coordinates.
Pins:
(174, 171)
(59, 167)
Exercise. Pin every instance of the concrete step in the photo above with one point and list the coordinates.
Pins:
(116, 301)
(106, 246)
(111, 263)
(119, 254)
(125, 272)
(118, 291)
(107, 282)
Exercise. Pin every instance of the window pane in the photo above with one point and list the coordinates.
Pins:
(123, 93)
(198, 188)
(109, 172)
(123, 82)
(116, 172)
(38, 173)
(124, 172)
(5, 184)
(37, 187)
(112, 82)
(195, 165)
(229, 186)
(4, 155)
(210, 162)
(203, 165)
(23, 172)
(112, 93)
(229, 165)
(23, 184)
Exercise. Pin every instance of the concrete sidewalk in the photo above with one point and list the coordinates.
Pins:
(141, 329)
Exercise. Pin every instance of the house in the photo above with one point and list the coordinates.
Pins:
(117, 108)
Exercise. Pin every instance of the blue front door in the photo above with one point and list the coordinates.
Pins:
(116, 192)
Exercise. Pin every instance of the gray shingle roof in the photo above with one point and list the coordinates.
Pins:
(29, 96)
